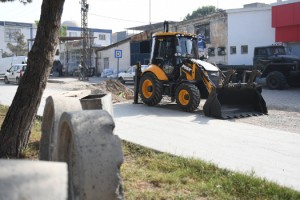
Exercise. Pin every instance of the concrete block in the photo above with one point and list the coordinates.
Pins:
(94, 155)
(98, 101)
(34, 180)
(55, 106)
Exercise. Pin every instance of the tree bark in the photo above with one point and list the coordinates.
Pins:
(15, 130)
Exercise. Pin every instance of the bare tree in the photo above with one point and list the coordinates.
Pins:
(15, 130)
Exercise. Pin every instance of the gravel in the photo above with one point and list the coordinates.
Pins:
(276, 119)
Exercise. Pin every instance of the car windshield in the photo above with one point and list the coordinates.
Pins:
(277, 51)
(186, 46)
(130, 69)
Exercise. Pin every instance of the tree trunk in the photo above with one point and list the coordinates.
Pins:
(15, 130)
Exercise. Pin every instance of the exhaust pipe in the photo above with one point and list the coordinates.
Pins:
(166, 26)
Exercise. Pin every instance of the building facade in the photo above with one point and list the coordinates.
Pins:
(9, 32)
(286, 22)
(248, 27)
(214, 30)
(115, 56)
(71, 45)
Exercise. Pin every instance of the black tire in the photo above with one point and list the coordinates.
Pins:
(150, 89)
(121, 80)
(6, 80)
(276, 80)
(187, 97)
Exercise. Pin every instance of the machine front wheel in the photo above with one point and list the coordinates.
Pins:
(187, 97)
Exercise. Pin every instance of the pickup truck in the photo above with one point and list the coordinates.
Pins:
(278, 68)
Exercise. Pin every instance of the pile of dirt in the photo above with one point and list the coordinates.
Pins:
(120, 92)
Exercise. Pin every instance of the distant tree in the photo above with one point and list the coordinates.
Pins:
(21, 48)
(203, 11)
(16, 127)
(63, 31)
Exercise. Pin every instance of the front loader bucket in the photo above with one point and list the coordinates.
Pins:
(235, 102)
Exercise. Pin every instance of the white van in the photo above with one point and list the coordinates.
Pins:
(8, 62)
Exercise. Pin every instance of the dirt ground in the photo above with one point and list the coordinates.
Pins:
(276, 119)
(120, 93)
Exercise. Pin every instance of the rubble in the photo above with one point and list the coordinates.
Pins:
(120, 92)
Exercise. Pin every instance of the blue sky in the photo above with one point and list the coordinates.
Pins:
(119, 14)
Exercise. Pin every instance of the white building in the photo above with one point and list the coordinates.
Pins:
(71, 45)
(9, 30)
(107, 58)
(248, 27)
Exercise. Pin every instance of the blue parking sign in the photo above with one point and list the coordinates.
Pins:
(118, 53)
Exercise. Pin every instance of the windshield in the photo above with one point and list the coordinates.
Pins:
(277, 51)
(186, 47)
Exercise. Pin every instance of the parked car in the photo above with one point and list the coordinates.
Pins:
(107, 72)
(129, 74)
(15, 73)
(6, 63)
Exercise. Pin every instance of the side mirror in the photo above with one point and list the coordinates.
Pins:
(8, 70)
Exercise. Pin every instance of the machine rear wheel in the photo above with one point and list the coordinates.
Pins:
(150, 89)
(6, 80)
(276, 80)
(187, 97)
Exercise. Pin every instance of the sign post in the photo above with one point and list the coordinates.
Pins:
(118, 55)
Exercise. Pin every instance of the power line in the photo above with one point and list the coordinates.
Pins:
(118, 19)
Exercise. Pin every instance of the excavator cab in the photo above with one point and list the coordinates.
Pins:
(169, 51)
(176, 71)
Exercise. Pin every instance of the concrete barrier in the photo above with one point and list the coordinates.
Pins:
(55, 106)
(34, 180)
(93, 153)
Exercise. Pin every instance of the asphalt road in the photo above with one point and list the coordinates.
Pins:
(269, 153)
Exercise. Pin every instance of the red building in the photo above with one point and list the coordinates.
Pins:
(286, 21)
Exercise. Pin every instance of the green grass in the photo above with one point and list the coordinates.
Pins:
(32, 150)
(149, 174)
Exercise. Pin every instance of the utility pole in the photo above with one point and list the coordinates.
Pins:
(85, 41)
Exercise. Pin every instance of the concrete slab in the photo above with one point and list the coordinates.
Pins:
(34, 180)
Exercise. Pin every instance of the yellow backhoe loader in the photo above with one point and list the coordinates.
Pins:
(175, 70)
